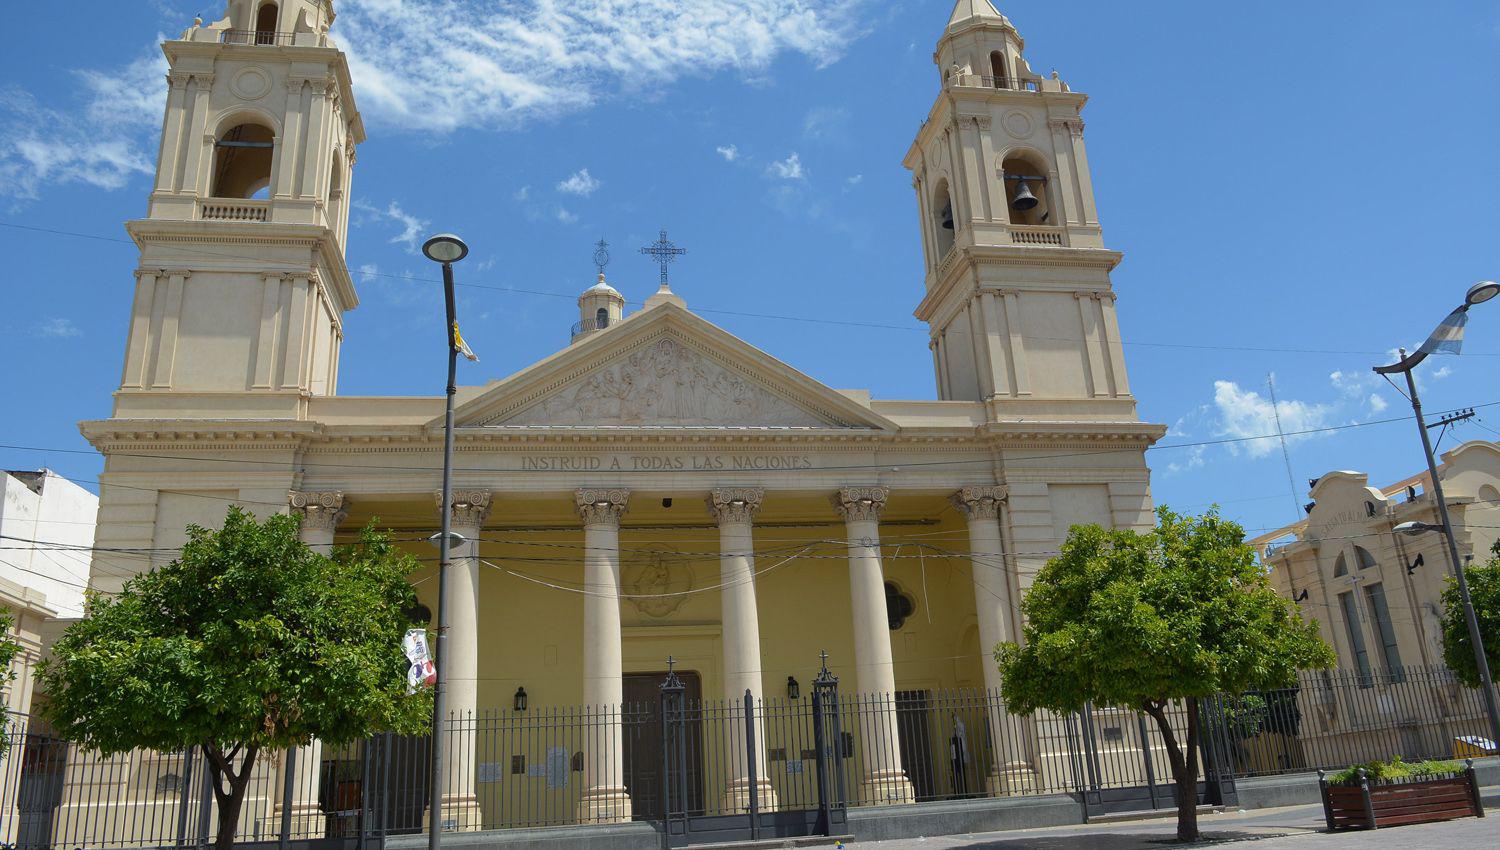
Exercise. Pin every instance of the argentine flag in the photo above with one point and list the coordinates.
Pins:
(1449, 336)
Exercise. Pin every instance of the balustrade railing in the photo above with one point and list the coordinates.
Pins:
(1028, 234)
(250, 210)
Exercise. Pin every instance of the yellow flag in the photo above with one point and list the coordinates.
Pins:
(463, 347)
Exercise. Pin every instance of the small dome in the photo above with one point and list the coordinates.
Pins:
(602, 287)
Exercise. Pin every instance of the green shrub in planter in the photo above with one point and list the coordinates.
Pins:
(1395, 770)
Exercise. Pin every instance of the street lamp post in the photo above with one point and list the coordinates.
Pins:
(447, 249)
(1446, 333)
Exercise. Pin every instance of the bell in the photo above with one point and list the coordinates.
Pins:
(948, 217)
(1024, 201)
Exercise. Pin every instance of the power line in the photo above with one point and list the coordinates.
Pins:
(736, 313)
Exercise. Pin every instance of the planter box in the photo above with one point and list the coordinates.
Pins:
(1372, 805)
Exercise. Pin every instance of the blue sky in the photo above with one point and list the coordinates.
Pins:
(1311, 177)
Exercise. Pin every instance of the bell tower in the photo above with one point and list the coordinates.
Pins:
(242, 284)
(1018, 297)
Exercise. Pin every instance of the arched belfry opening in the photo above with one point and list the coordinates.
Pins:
(242, 161)
(1026, 192)
(944, 225)
(998, 76)
(601, 318)
(265, 23)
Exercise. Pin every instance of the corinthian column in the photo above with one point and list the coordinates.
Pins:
(321, 514)
(875, 674)
(735, 510)
(604, 799)
(461, 610)
(1010, 773)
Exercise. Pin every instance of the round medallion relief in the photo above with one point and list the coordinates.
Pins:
(1018, 125)
(251, 83)
(657, 577)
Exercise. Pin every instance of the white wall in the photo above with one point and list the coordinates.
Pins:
(57, 511)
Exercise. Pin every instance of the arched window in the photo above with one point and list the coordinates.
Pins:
(336, 193)
(1363, 558)
(1340, 567)
(1026, 193)
(242, 161)
(1001, 80)
(943, 223)
(265, 24)
(601, 318)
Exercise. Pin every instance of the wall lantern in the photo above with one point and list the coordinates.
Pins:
(520, 702)
(793, 690)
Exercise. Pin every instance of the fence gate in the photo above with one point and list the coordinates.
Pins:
(713, 787)
(1121, 762)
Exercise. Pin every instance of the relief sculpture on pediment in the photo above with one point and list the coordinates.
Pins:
(665, 384)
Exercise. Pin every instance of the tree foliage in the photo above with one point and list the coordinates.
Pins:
(1458, 649)
(9, 649)
(1140, 620)
(249, 641)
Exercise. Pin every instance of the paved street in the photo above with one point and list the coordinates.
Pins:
(1270, 829)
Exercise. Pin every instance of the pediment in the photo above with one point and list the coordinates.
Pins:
(664, 368)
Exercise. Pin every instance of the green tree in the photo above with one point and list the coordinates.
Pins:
(1484, 590)
(1140, 620)
(9, 649)
(249, 641)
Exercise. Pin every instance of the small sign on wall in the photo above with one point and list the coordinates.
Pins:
(489, 771)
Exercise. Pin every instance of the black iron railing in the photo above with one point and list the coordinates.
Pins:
(692, 759)
(264, 37)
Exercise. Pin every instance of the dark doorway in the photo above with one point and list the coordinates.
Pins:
(913, 709)
(643, 742)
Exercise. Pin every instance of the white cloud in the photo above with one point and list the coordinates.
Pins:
(566, 217)
(101, 143)
(446, 64)
(1244, 414)
(368, 272)
(825, 123)
(522, 194)
(729, 152)
(1377, 403)
(1442, 372)
(58, 329)
(581, 184)
(787, 169)
(412, 228)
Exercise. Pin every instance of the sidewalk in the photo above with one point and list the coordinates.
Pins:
(1291, 828)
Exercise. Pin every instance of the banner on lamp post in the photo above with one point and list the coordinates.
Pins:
(422, 671)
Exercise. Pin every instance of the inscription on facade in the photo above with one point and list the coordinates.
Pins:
(665, 463)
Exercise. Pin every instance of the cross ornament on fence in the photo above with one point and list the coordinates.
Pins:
(663, 252)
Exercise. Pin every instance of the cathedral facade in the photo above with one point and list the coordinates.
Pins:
(658, 487)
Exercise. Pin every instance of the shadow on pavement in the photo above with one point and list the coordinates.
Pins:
(1114, 841)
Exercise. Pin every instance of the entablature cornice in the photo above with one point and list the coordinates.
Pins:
(956, 272)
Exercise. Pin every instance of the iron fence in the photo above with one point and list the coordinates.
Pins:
(1333, 719)
(718, 758)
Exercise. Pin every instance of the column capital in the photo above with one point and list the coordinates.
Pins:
(735, 504)
(603, 506)
(470, 507)
(319, 510)
(980, 502)
(861, 504)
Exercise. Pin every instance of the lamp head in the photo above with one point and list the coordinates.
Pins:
(1482, 292)
(445, 248)
(455, 540)
(1414, 529)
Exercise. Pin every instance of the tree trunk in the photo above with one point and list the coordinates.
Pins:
(233, 800)
(1184, 765)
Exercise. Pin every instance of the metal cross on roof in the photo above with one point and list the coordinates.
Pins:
(663, 252)
(601, 256)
